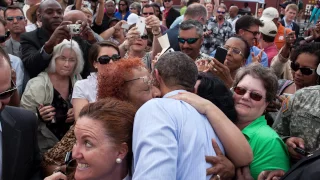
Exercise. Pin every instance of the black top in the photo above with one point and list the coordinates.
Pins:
(104, 26)
(59, 127)
(172, 15)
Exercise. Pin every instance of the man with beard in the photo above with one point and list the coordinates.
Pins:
(248, 28)
(218, 31)
(15, 61)
(37, 46)
(19, 151)
(191, 38)
(16, 23)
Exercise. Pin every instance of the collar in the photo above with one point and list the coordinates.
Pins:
(287, 25)
(253, 127)
(172, 93)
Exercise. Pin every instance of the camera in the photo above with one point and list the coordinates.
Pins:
(74, 28)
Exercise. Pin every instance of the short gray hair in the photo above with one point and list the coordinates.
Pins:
(57, 50)
(108, 1)
(177, 70)
(189, 24)
(266, 75)
(195, 11)
(137, 6)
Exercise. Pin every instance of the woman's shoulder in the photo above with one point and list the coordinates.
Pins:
(39, 80)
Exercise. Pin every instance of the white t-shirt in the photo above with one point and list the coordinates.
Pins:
(86, 88)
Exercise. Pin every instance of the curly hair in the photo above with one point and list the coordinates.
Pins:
(112, 78)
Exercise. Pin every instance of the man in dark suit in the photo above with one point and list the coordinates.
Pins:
(288, 20)
(170, 13)
(19, 153)
(37, 46)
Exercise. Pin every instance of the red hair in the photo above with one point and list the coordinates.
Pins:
(112, 78)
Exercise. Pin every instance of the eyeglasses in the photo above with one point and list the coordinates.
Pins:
(18, 18)
(146, 79)
(144, 37)
(242, 91)
(189, 40)
(234, 50)
(122, 4)
(304, 70)
(8, 93)
(221, 12)
(167, 0)
(254, 33)
(106, 59)
(132, 8)
(148, 13)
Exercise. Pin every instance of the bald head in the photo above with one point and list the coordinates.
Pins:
(233, 11)
(75, 15)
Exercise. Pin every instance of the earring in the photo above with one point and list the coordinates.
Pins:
(118, 160)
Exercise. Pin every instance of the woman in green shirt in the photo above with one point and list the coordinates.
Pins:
(254, 88)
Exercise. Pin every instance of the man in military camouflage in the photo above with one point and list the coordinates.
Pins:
(218, 31)
(299, 121)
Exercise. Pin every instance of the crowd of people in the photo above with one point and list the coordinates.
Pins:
(86, 93)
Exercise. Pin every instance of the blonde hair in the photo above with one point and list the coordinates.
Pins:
(292, 7)
(57, 50)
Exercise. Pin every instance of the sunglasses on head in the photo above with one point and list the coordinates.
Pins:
(8, 93)
(189, 40)
(106, 59)
(18, 18)
(242, 91)
(304, 70)
(144, 37)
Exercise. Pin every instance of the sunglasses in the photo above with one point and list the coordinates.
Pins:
(189, 40)
(148, 13)
(254, 33)
(144, 37)
(122, 4)
(8, 93)
(234, 50)
(304, 70)
(242, 91)
(167, 0)
(221, 12)
(18, 18)
(106, 59)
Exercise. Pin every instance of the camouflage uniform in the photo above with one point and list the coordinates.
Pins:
(300, 117)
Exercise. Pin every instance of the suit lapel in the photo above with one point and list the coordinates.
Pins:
(10, 144)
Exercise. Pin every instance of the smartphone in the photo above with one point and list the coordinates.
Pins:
(221, 54)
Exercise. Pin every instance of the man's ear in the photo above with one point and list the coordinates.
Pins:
(241, 32)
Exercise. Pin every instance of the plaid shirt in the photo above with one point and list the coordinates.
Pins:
(218, 36)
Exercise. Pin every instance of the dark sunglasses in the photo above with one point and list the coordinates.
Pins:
(18, 18)
(254, 33)
(189, 40)
(8, 93)
(304, 70)
(106, 59)
(148, 13)
(122, 4)
(242, 91)
(144, 37)
(221, 12)
(167, 0)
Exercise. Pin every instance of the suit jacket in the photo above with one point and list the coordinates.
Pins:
(21, 157)
(295, 27)
(35, 61)
(172, 15)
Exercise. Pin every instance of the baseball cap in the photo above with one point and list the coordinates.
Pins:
(269, 14)
(132, 19)
(318, 70)
(269, 29)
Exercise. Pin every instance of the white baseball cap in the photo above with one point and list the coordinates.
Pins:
(132, 19)
(269, 29)
(269, 14)
(318, 70)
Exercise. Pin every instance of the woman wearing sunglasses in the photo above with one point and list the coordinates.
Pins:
(136, 45)
(49, 94)
(254, 88)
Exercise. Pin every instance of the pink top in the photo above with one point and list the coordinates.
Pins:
(271, 51)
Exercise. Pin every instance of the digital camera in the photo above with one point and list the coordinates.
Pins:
(74, 28)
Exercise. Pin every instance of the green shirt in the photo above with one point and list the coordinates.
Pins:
(269, 151)
(183, 10)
